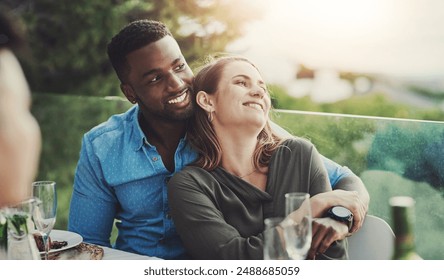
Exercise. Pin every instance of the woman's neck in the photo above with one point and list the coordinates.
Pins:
(237, 152)
(237, 157)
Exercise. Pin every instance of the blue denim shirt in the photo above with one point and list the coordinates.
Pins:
(121, 178)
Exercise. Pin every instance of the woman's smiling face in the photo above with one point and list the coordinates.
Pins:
(241, 96)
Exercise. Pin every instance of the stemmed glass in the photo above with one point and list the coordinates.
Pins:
(45, 210)
(297, 226)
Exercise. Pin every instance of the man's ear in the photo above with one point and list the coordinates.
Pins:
(129, 93)
(203, 99)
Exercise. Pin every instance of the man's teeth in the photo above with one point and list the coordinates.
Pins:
(178, 99)
(254, 105)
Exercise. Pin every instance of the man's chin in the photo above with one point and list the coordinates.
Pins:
(182, 115)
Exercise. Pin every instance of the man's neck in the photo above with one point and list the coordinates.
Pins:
(165, 136)
(163, 132)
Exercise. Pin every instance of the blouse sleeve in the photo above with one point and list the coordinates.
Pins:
(201, 226)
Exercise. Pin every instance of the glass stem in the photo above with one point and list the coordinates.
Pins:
(46, 244)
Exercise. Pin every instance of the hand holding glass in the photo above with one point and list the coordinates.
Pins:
(297, 226)
(45, 210)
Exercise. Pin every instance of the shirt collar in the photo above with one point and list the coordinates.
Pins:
(139, 137)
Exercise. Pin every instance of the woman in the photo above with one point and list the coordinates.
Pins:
(243, 171)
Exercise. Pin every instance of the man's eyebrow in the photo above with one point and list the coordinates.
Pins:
(157, 70)
(150, 72)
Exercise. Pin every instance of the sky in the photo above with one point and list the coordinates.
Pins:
(402, 38)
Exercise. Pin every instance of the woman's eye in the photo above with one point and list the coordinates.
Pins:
(242, 83)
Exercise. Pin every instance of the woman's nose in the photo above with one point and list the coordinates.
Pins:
(257, 91)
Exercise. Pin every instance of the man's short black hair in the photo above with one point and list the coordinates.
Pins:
(132, 37)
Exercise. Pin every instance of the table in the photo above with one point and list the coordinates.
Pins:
(113, 254)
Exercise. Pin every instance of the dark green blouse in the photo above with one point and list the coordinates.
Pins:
(220, 216)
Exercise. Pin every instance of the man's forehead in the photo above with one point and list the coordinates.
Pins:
(157, 55)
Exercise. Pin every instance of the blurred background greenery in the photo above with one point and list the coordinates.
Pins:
(74, 88)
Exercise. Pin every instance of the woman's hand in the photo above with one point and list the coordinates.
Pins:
(348, 199)
(325, 232)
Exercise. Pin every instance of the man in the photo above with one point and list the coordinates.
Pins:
(126, 162)
(20, 139)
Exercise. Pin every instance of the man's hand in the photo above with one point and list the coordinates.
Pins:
(358, 206)
(325, 232)
(348, 199)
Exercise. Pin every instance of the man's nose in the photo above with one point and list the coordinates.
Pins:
(175, 81)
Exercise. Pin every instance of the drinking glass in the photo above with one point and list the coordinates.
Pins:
(45, 210)
(18, 229)
(274, 243)
(297, 226)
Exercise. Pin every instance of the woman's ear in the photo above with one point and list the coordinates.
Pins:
(203, 99)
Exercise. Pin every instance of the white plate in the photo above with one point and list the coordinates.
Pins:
(72, 238)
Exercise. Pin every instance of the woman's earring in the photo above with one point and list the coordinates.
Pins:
(210, 116)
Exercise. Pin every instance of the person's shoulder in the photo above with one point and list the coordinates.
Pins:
(297, 143)
(116, 124)
(191, 171)
(191, 176)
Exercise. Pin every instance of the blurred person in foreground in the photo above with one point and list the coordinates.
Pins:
(20, 139)
(126, 162)
(243, 171)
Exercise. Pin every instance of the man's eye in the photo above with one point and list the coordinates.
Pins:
(180, 67)
(155, 79)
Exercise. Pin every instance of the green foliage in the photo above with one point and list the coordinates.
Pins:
(375, 104)
(342, 132)
(68, 39)
(437, 95)
(68, 43)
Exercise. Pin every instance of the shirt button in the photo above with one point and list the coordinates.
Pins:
(167, 179)
(168, 216)
(155, 158)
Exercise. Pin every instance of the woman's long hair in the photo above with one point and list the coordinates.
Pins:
(201, 133)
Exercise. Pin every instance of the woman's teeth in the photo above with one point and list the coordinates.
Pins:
(254, 105)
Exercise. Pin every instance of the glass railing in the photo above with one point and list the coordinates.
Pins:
(392, 156)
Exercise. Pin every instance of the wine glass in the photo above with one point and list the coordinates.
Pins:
(297, 225)
(45, 210)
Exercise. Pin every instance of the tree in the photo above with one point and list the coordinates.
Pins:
(68, 38)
